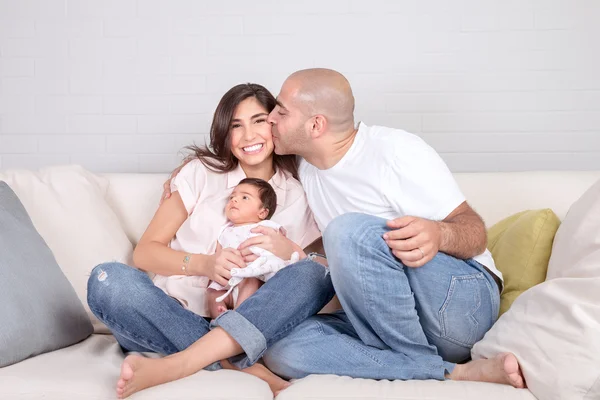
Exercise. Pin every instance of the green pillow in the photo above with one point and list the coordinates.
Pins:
(521, 245)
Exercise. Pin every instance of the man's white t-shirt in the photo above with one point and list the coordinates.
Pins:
(388, 173)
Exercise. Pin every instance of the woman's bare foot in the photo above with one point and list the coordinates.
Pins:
(138, 373)
(504, 369)
(276, 383)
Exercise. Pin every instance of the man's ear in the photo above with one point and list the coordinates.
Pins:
(318, 126)
(263, 213)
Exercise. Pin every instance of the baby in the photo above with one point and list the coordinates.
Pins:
(252, 203)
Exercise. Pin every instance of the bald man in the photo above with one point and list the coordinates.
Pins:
(407, 255)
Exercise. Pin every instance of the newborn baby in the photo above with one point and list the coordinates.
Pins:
(251, 204)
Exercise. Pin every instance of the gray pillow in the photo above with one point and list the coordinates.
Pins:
(39, 310)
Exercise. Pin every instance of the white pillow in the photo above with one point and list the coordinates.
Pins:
(68, 208)
(554, 328)
(578, 239)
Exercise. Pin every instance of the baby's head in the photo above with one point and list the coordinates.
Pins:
(251, 201)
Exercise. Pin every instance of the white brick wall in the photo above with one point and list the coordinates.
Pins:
(123, 85)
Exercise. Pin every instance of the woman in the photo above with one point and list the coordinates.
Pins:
(170, 314)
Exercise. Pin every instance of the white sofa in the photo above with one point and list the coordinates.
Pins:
(89, 370)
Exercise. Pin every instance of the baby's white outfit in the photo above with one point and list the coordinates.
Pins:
(264, 267)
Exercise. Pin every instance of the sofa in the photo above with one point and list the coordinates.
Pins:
(90, 369)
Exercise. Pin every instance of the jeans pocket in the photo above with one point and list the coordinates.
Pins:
(458, 320)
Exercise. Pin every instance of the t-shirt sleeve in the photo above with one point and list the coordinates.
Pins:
(420, 184)
(190, 183)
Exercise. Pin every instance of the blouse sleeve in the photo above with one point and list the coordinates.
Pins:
(190, 182)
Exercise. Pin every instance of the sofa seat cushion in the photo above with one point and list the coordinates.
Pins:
(330, 387)
(90, 370)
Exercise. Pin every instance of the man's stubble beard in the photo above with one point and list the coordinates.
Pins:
(298, 143)
(293, 145)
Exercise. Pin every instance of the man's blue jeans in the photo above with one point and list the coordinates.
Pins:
(143, 318)
(398, 322)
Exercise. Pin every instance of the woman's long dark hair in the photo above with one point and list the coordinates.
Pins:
(218, 156)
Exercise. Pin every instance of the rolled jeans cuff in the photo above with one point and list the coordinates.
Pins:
(447, 369)
(251, 340)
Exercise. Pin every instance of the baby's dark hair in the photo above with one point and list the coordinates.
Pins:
(265, 191)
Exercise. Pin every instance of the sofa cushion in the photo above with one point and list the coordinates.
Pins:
(70, 374)
(68, 208)
(577, 242)
(521, 245)
(39, 309)
(90, 370)
(553, 328)
(332, 387)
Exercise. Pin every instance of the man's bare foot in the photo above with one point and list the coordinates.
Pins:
(138, 373)
(504, 369)
(276, 383)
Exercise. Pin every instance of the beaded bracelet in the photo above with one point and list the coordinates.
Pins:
(186, 263)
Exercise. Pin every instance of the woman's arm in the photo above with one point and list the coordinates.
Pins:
(153, 252)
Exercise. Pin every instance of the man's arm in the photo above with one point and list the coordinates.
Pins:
(463, 233)
(415, 241)
(315, 247)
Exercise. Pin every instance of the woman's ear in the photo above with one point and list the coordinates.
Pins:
(263, 213)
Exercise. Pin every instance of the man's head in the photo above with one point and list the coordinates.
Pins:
(312, 103)
(251, 201)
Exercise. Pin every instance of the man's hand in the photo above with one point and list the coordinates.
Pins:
(415, 241)
(167, 185)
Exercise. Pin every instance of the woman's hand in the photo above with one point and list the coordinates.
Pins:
(224, 260)
(271, 240)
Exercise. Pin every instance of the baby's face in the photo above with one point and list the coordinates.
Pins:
(244, 205)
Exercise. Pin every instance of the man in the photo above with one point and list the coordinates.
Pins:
(406, 253)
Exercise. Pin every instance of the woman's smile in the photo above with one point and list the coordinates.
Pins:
(253, 149)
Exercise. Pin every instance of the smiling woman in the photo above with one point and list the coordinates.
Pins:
(171, 312)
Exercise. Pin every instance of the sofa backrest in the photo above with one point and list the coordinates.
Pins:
(497, 195)
(135, 197)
